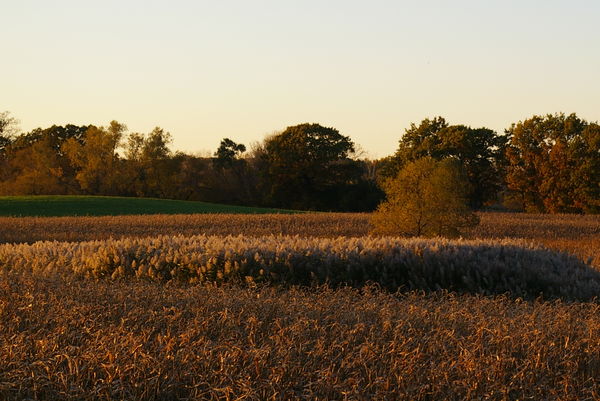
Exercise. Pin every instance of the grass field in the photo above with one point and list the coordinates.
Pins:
(85, 340)
(74, 336)
(575, 234)
(112, 206)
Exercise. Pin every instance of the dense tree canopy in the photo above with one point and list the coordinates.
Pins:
(150, 164)
(554, 164)
(550, 165)
(305, 163)
(36, 162)
(96, 160)
(55, 136)
(479, 150)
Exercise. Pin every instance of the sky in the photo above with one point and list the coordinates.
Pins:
(244, 69)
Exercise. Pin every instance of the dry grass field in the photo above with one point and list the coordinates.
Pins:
(75, 336)
(571, 233)
(83, 340)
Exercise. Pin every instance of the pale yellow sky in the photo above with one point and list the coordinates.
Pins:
(208, 70)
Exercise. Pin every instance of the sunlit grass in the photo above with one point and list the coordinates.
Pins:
(475, 266)
(571, 233)
(125, 334)
(74, 340)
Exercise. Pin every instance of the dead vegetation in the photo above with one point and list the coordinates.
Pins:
(69, 338)
(85, 340)
(572, 233)
(466, 266)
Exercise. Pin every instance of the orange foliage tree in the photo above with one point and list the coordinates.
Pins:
(554, 164)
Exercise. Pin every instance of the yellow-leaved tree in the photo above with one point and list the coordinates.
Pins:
(96, 160)
(426, 198)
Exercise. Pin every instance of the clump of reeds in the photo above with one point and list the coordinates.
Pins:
(473, 266)
(576, 234)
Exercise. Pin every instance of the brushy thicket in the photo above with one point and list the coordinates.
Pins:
(476, 266)
(101, 340)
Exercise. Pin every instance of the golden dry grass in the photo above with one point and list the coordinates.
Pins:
(573, 233)
(63, 338)
(29, 229)
(577, 234)
(81, 340)
(467, 266)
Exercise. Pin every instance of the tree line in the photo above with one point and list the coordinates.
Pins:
(545, 164)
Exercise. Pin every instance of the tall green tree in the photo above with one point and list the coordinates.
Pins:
(150, 165)
(306, 164)
(554, 164)
(231, 180)
(479, 150)
(227, 153)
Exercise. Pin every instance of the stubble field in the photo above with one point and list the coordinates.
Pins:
(69, 331)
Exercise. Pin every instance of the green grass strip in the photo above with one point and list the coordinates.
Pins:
(46, 206)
